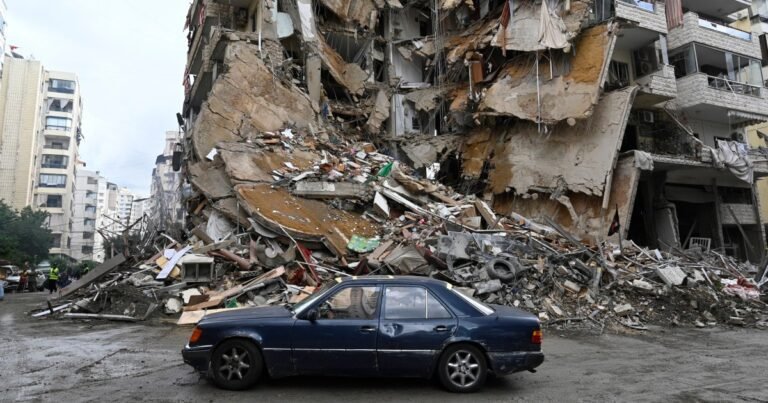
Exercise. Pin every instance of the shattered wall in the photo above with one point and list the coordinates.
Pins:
(578, 158)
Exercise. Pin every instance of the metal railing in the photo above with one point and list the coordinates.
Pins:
(55, 147)
(733, 86)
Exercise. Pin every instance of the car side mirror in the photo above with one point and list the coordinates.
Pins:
(312, 315)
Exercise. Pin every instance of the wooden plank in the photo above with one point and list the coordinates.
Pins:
(93, 275)
(192, 317)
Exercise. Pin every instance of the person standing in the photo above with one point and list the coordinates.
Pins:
(23, 280)
(32, 281)
(53, 279)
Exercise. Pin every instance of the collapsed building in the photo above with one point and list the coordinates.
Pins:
(573, 111)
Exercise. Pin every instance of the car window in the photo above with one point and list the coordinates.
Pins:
(351, 303)
(412, 303)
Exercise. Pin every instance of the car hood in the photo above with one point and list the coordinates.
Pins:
(261, 312)
(503, 310)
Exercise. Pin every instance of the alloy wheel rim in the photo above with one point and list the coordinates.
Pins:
(234, 364)
(463, 369)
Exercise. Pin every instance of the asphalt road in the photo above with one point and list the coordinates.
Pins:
(67, 361)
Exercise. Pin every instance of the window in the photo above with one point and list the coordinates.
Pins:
(53, 201)
(56, 123)
(412, 303)
(87, 250)
(351, 303)
(90, 209)
(63, 86)
(87, 235)
(55, 161)
(618, 76)
(56, 145)
(89, 222)
(646, 60)
(56, 242)
(53, 181)
(60, 105)
(92, 181)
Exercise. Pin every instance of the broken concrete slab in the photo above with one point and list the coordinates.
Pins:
(330, 190)
(93, 275)
(303, 219)
(623, 309)
(671, 275)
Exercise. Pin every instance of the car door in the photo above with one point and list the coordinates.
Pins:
(413, 328)
(342, 340)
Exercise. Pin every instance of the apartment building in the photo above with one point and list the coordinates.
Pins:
(85, 210)
(21, 99)
(165, 208)
(106, 216)
(62, 134)
(564, 112)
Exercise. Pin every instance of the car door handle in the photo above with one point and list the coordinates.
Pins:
(441, 328)
(367, 329)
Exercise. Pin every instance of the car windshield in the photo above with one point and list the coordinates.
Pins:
(484, 309)
(299, 306)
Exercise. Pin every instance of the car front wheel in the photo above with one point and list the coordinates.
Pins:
(236, 365)
(462, 368)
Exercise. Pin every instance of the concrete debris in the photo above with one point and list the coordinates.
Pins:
(670, 275)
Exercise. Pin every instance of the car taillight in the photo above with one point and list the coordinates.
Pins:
(536, 336)
(195, 335)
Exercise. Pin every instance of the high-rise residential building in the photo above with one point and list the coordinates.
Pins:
(3, 32)
(165, 200)
(21, 100)
(85, 209)
(56, 184)
(107, 221)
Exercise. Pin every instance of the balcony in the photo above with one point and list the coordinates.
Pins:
(717, 8)
(700, 30)
(656, 87)
(718, 99)
(643, 14)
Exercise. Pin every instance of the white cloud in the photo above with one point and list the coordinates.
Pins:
(129, 56)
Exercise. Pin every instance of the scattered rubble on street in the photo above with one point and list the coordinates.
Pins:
(395, 223)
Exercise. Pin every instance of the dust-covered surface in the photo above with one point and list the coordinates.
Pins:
(63, 361)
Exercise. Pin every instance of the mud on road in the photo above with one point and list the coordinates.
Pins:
(73, 361)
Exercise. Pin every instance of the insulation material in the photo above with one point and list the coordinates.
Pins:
(578, 158)
(572, 95)
(247, 98)
(580, 214)
(528, 21)
(734, 156)
(303, 219)
(424, 152)
(362, 12)
(218, 227)
(350, 75)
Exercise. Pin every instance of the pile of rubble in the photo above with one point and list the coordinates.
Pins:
(336, 208)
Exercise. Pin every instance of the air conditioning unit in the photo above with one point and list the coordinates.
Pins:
(647, 117)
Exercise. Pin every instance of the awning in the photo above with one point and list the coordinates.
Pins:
(746, 118)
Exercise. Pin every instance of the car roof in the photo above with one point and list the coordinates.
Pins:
(393, 280)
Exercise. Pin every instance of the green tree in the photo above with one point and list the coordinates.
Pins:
(23, 234)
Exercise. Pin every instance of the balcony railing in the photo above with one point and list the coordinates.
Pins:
(733, 86)
(55, 147)
(736, 33)
(52, 165)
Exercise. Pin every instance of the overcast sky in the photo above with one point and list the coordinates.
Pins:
(129, 56)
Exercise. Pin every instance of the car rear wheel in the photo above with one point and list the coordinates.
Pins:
(462, 368)
(236, 365)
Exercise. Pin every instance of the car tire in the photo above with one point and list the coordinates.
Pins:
(462, 368)
(503, 269)
(236, 365)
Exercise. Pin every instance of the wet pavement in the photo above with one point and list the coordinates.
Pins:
(69, 361)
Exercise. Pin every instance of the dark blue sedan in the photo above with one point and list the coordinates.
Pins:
(369, 326)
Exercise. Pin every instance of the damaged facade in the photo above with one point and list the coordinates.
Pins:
(569, 110)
